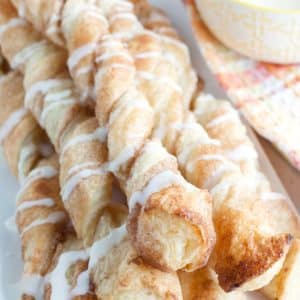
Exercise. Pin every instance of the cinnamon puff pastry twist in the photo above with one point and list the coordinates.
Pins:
(244, 237)
(219, 117)
(40, 216)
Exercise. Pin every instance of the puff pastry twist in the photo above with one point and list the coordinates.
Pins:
(41, 219)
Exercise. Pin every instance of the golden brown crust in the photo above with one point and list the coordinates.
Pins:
(255, 250)
(203, 285)
(233, 274)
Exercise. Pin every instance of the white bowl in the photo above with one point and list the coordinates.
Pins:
(267, 30)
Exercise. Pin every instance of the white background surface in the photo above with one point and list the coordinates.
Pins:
(10, 261)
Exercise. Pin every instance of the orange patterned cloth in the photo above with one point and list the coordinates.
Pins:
(268, 95)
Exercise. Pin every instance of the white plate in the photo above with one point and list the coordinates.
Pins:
(10, 248)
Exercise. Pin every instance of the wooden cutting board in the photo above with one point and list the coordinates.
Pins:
(283, 177)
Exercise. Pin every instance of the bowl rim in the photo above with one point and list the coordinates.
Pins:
(266, 8)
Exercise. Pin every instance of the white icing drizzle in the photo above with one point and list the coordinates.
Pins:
(161, 130)
(82, 286)
(25, 54)
(26, 152)
(124, 156)
(203, 97)
(221, 187)
(162, 80)
(109, 55)
(22, 9)
(44, 87)
(60, 288)
(159, 182)
(101, 247)
(123, 16)
(80, 53)
(53, 24)
(57, 96)
(32, 285)
(184, 154)
(52, 29)
(100, 134)
(54, 105)
(83, 71)
(47, 202)
(187, 126)
(108, 42)
(221, 119)
(84, 165)
(271, 196)
(14, 119)
(97, 15)
(75, 179)
(124, 4)
(241, 152)
(12, 23)
(103, 71)
(211, 157)
(130, 105)
(148, 54)
(215, 177)
(38, 173)
(50, 219)
(123, 35)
